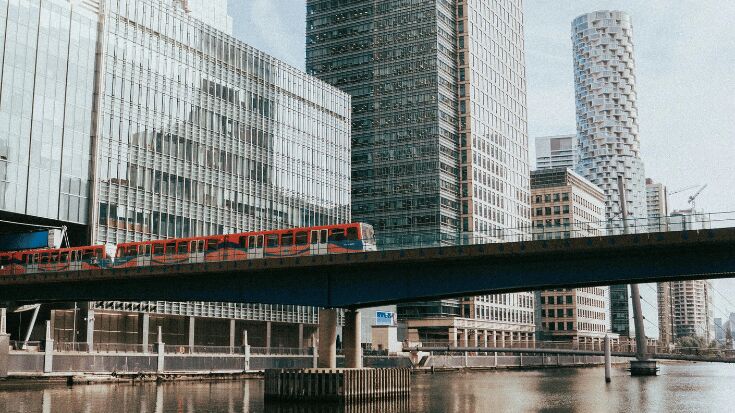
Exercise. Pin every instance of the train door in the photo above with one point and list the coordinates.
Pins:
(272, 245)
(319, 241)
(255, 246)
(196, 251)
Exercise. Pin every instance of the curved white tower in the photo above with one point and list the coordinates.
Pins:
(607, 118)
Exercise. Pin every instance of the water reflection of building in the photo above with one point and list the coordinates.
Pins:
(192, 133)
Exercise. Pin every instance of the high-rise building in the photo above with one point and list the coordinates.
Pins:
(607, 124)
(556, 151)
(139, 120)
(565, 205)
(607, 117)
(693, 311)
(211, 12)
(439, 142)
(656, 203)
(665, 308)
(719, 331)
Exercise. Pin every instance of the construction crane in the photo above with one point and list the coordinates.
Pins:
(683, 189)
(693, 197)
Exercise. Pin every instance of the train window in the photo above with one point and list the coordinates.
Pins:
(243, 241)
(158, 249)
(211, 245)
(287, 239)
(271, 240)
(314, 237)
(251, 242)
(323, 236)
(260, 241)
(147, 249)
(302, 238)
(132, 251)
(183, 248)
(352, 234)
(171, 248)
(4, 260)
(200, 245)
(338, 234)
(64, 257)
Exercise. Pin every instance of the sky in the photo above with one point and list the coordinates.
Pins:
(684, 52)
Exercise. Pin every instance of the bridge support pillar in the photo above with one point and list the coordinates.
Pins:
(352, 340)
(144, 322)
(327, 338)
(232, 336)
(268, 332)
(160, 351)
(192, 321)
(301, 335)
(246, 349)
(90, 329)
(48, 351)
(4, 354)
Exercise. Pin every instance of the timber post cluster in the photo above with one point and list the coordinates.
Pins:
(336, 384)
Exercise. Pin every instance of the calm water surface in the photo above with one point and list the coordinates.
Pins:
(679, 388)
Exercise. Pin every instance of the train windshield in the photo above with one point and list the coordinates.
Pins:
(367, 232)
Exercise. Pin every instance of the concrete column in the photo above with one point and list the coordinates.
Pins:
(533, 340)
(90, 330)
(232, 336)
(160, 350)
(495, 339)
(268, 335)
(191, 333)
(4, 354)
(3, 323)
(352, 340)
(327, 338)
(484, 338)
(476, 341)
(452, 336)
(144, 322)
(246, 349)
(575, 343)
(502, 339)
(314, 353)
(48, 354)
(301, 335)
(510, 338)
(464, 338)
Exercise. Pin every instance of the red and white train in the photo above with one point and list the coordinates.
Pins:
(329, 239)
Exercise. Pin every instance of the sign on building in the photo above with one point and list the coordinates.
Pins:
(384, 318)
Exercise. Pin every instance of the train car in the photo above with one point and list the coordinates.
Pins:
(49, 260)
(330, 239)
(172, 251)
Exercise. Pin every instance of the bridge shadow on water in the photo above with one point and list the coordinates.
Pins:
(387, 405)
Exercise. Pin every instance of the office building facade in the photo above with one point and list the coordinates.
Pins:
(556, 151)
(439, 141)
(566, 205)
(153, 124)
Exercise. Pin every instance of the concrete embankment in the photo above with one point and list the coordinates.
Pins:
(431, 363)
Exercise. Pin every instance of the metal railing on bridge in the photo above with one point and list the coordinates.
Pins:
(553, 228)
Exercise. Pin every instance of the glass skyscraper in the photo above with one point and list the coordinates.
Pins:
(142, 120)
(201, 134)
(439, 135)
(47, 70)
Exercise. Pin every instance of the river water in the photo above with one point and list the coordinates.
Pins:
(679, 388)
